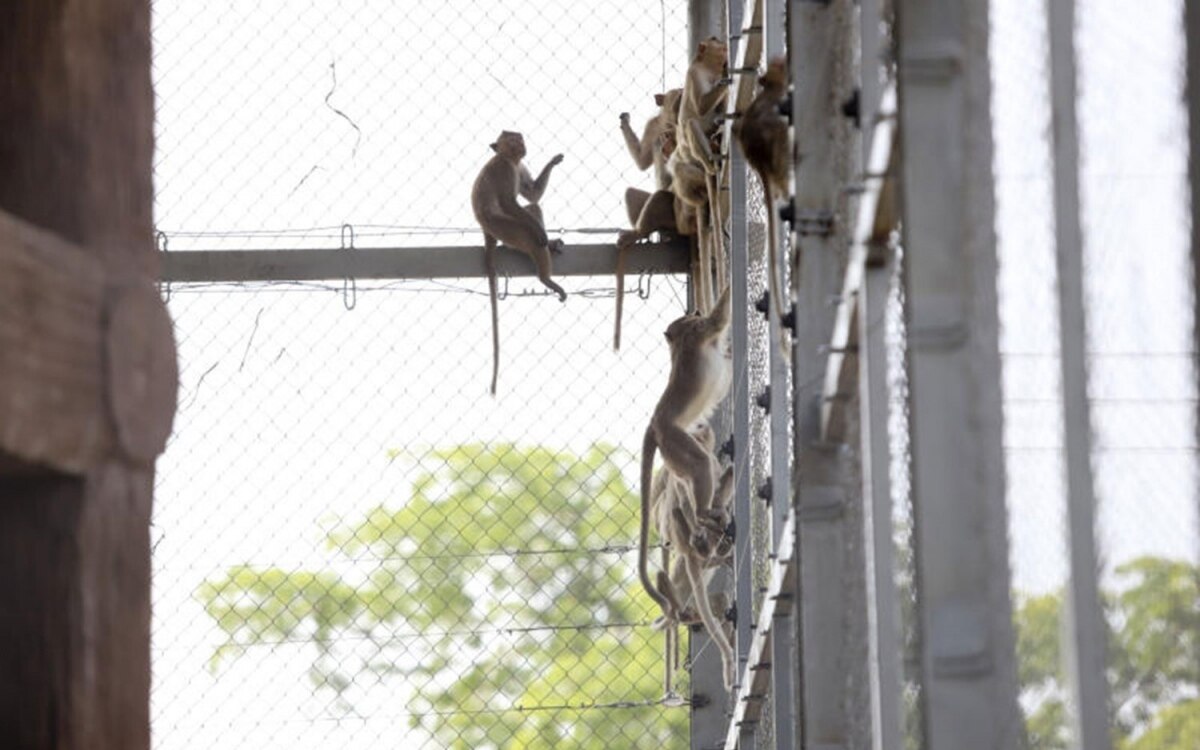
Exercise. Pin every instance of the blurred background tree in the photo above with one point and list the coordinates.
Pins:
(499, 565)
(1153, 659)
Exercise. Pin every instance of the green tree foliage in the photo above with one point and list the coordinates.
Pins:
(1153, 659)
(502, 594)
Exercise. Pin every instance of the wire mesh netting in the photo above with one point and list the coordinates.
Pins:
(351, 548)
(1141, 386)
(354, 545)
(278, 122)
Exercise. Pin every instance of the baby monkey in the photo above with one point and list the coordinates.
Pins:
(763, 134)
(494, 201)
(701, 373)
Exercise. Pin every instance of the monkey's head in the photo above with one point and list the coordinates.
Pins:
(670, 102)
(510, 145)
(713, 52)
(776, 75)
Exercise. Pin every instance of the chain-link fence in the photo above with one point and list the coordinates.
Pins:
(352, 549)
(1141, 386)
(354, 544)
(279, 122)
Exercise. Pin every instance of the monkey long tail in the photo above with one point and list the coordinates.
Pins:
(649, 446)
(489, 262)
(620, 296)
(774, 280)
(718, 269)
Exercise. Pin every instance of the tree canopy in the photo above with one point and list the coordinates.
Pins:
(1153, 659)
(501, 593)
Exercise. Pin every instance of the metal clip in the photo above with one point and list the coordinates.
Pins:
(349, 284)
(162, 244)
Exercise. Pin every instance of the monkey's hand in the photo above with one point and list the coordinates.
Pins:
(556, 160)
(624, 118)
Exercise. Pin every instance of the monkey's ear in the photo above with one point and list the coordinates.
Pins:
(659, 99)
(493, 146)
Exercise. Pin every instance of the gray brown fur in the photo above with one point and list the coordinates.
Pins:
(701, 372)
(648, 212)
(763, 134)
(503, 219)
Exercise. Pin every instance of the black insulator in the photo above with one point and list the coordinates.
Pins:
(788, 212)
(789, 319)
(727, 448)
(763, 304)
(852, 108)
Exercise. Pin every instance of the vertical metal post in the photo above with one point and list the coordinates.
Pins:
(708, 697)
(816, 39)
(743, 563)
(883, 606)
(1192, 34)
(1083, 635)
(968, 665)
(705, 19)
(783, 630)
(739, 262)
(871, 44)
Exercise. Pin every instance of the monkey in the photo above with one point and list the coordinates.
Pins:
(647, 151)
(494, 201)
(693, 166)
(688, 578)
(648, 212)
(701, 373)
(763, 134)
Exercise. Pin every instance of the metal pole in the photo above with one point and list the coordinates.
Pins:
(1083, 622)
(883, 606)
(708, 698)
(816, 36)
(968, 665)
(1192, 25)
(739, 262)
(783, 629)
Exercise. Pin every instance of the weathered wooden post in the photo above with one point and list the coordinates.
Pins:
(87, 373)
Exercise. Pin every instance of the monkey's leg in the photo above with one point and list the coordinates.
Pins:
(689, 460)
(657, 214)
(522, 232)
(715, 631)
(534, 210)
(635, 201)
(489, 263)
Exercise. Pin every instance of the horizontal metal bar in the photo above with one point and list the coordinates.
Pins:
(413, 263)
